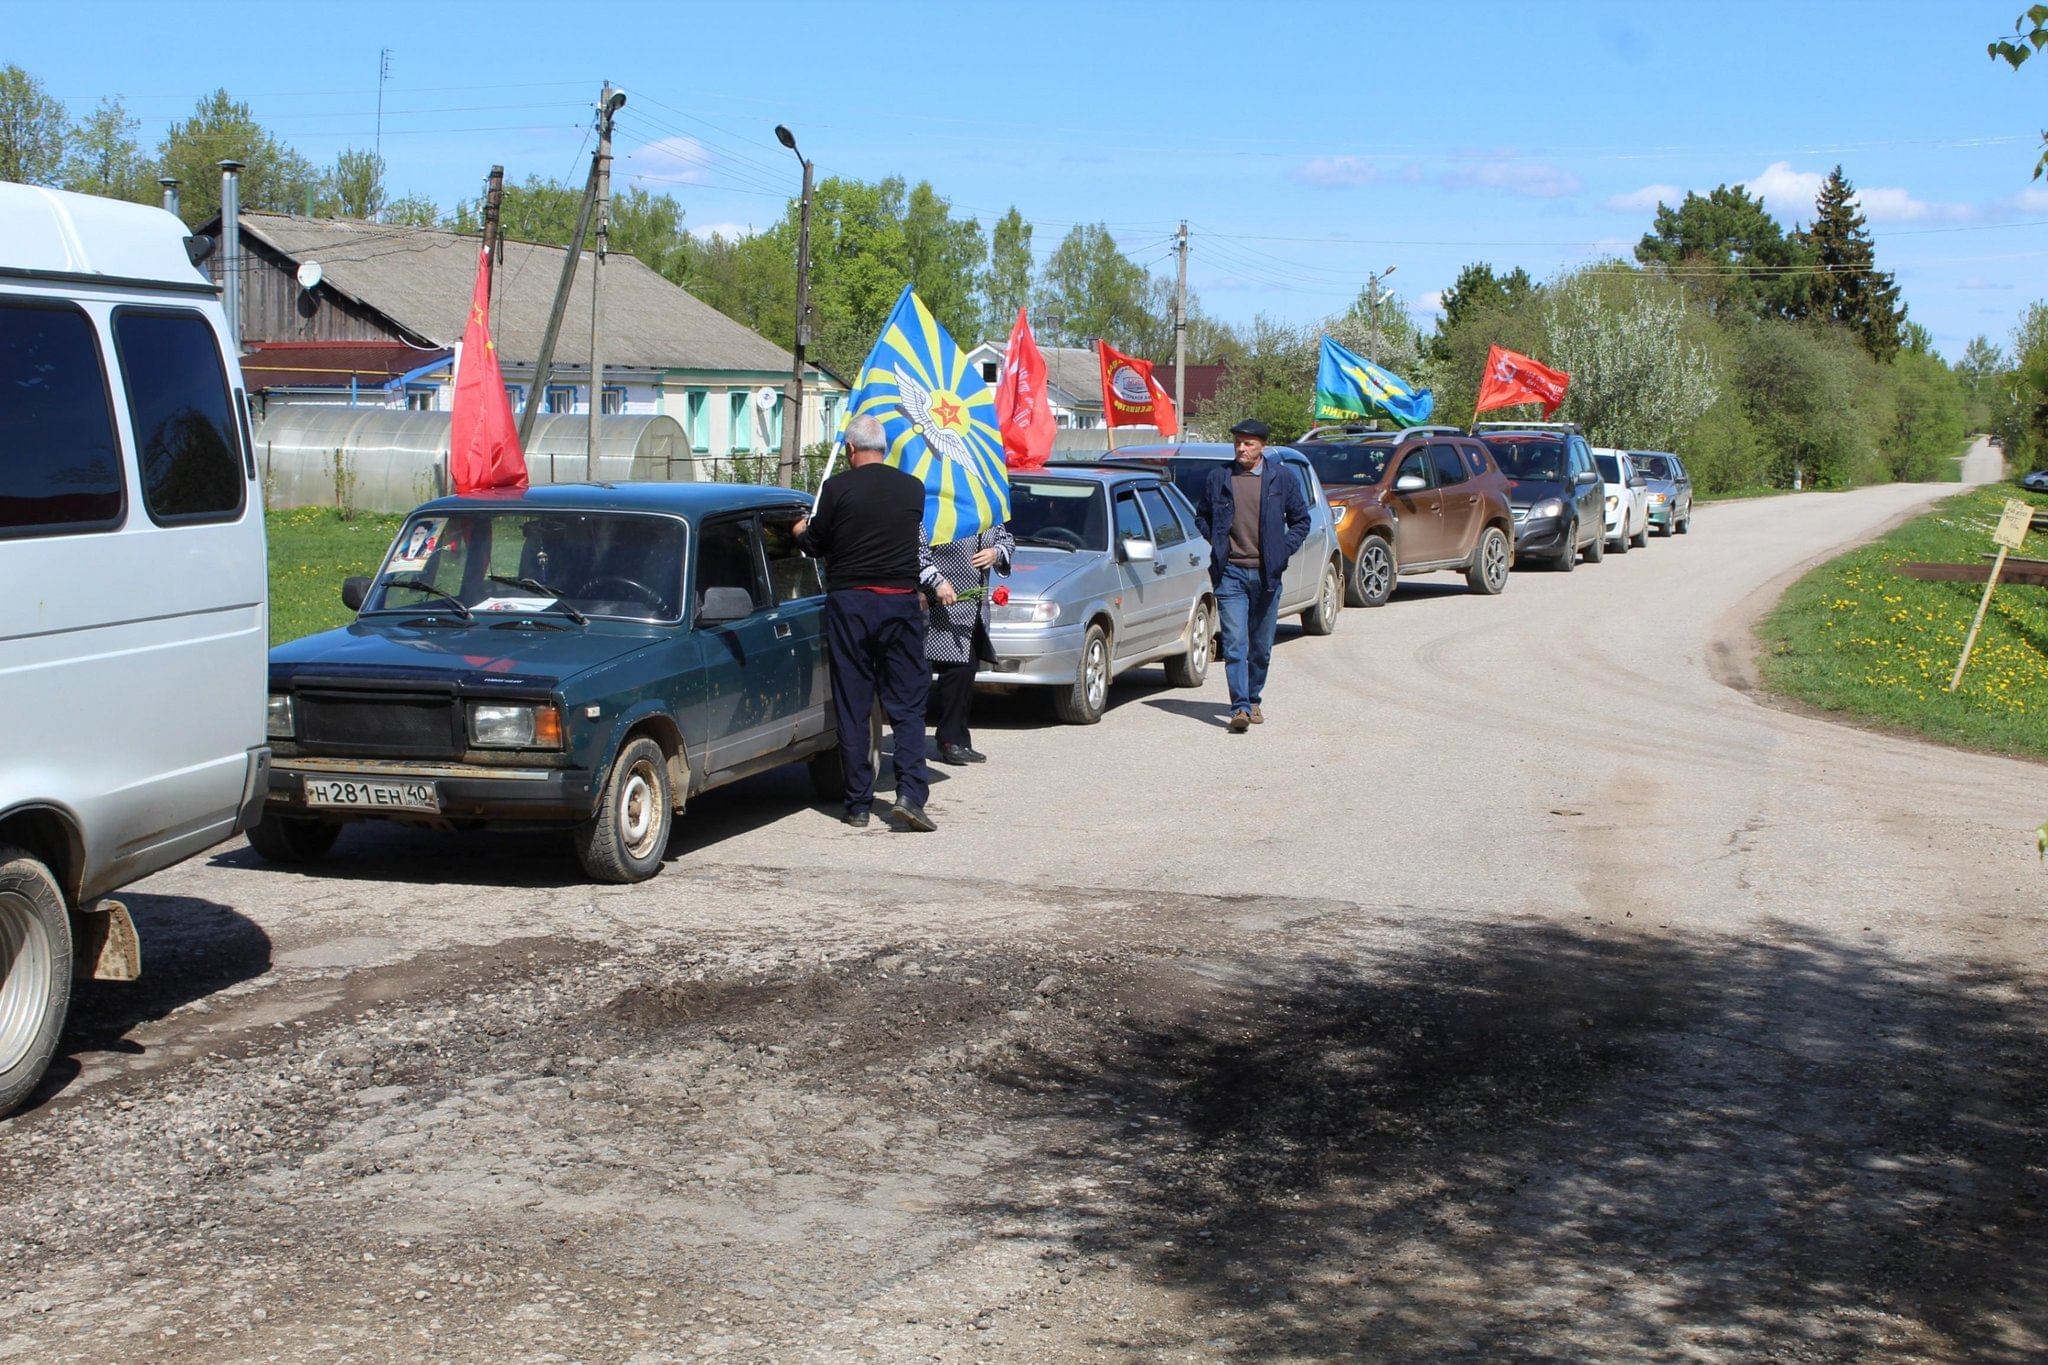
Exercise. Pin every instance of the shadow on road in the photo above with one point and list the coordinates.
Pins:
(1532, 1143)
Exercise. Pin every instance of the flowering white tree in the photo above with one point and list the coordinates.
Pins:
(1636, 381)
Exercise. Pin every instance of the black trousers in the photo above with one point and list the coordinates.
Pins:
(952, 699)
(877, 650)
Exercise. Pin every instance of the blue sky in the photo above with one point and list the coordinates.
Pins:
(1305, 142)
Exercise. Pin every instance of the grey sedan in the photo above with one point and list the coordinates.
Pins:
(1670, 490)
(1109, 573)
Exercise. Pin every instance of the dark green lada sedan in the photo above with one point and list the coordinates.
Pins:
(577, 657)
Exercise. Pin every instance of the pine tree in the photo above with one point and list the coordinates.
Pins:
(1853, 292)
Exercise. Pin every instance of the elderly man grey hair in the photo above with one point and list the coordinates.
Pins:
(864, 433)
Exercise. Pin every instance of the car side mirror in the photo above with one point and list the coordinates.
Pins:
(1139, 551)
(1410, 483)
(1589, 476)
(354, 591)
(724, 604)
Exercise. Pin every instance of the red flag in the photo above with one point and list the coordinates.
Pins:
(1512, 378)
(483, 441)
(1131, 397)
(1023, 412)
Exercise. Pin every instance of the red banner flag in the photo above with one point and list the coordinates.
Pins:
(1131, 397)
(1512, 378)
(1023, 412)
(483, 441)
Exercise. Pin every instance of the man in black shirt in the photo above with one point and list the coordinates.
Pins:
(868, 527)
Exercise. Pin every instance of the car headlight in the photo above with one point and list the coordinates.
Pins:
(515, 726)
(1612, 502)
(1549, 507)
(1026, 614)
(278, 722)
(1658, 499)
(1337, 515)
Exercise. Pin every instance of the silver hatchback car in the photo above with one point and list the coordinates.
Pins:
(1109, 573)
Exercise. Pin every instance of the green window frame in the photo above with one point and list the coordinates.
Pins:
(697, 419)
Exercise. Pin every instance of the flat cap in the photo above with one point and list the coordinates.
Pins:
(1252, 426)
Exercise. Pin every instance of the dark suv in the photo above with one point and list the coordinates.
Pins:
(1416, 501)
(1559, 501)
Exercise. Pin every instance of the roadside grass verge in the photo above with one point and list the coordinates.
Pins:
(311, 550)
(1855, 637)
(1735, 494)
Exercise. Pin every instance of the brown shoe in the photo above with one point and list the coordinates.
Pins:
(1258, 715)
(1240, 721)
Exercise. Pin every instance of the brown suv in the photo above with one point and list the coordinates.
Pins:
(1413, 501)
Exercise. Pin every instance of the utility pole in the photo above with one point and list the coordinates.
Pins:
(607, 104)
(544, 364)
(1372, 315)
(793, 392)
(494, 245)
(1180, 329)
(383, 75)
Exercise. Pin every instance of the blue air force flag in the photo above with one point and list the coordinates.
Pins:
(940, 420)
(1348, 386)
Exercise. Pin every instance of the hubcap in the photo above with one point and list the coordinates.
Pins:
(1096, 670)
(25, 959)
(1329, 594)
(1496, 559)
(1198, 648)
(1375, 569)
(639, 810)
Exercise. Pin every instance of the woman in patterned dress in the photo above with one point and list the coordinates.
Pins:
(956, 640)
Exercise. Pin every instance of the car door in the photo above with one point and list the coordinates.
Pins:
(797, 587)
(1304, 577)
(1142, 593)
(1589, 495)
(1681, 489)
(1178, 572)
(749, 664)
(1458, 497)
(1418, 508)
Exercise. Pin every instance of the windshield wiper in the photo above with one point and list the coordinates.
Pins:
(421, 585)
(535, 585)
(1046, 544)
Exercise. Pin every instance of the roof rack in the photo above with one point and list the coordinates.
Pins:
(1325, 433)
(1478, 427)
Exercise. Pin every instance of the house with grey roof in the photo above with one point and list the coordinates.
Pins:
(1073, 381)
(318, 294)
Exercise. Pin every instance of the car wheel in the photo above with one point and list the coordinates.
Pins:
(1620, 541)
(1685, 526)
(1488, 573)
(1568, 558)
(1189, 669)
(35, 989)
(1597, 549)
(1642, 537)
(624, 841)
(1321, 618)
(1083, 702)
(1373, 574)
(292, 838)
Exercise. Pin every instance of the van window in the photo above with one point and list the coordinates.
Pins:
(60, 461)
(185, 438)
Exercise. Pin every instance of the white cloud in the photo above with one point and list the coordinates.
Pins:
(1790, 196)
(671, 160)
(1786, 192)
(1535, 179)
(2031, 201)
(1430, 303)
(1890, 204)
(1337, 172)
(1646, 198)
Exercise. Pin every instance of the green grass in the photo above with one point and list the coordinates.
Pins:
(1855, 637)
(311, 550)
(1730, 494)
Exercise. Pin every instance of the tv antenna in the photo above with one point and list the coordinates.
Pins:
(383, 75)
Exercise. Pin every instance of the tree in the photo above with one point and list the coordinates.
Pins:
(1851, 291)
(647, 227)
(413, 210)
(31, 129)
(104, 158)
(275, 178)
(1478, 287)
(2030, 35)
(944, 255)
(1089, 289)
(1273, 379)
(1380, 329)
(2020, 411)
(1636, 380)
(1928, 413)
(1730, 251)
(1006, 283)
(357, 185)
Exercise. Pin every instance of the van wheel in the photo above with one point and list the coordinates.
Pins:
(1321, 618)
(1189, 669)
(624, 841)
(1488, 572)
(1082, 703)
(35, 973)
(292, 838)
(1373, 574)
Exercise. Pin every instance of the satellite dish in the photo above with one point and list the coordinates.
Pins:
(764, 398)
(309, 274)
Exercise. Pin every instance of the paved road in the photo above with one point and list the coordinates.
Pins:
(1525, 985)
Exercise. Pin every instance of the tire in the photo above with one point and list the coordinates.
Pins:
(624, 841)
(1321, 618)
(292, 839)
(1568, 559)
(1374, 573)
(1597, 551)
(1189, 669)
(1083, 702)
(35, 973)
(1684, 527)
(1621, 541)
(1488, 572)
(1642, 537)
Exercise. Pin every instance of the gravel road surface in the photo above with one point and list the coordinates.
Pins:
(1525, 987)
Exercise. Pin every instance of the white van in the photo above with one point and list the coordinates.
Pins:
(133, 616)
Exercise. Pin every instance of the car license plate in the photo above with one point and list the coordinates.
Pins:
(358, 794)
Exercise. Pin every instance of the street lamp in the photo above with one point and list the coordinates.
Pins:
(1374, 299)
(793, 395)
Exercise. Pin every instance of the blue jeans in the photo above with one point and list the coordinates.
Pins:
(1250, 613)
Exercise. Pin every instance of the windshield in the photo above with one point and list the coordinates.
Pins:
(535, 560)
(1610, 468)
(1348, 463)
(1058, 514)
(1533, 459)
(1652, 466)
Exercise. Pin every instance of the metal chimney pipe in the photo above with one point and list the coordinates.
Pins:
(231, 247)
(170, 184)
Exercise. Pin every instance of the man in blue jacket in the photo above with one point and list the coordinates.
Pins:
(1254, 514)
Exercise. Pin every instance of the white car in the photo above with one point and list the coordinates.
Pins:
(1628, 499)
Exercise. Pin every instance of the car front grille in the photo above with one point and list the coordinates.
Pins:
(379, 724)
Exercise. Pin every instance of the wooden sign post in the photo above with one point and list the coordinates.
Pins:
(2010, 535)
